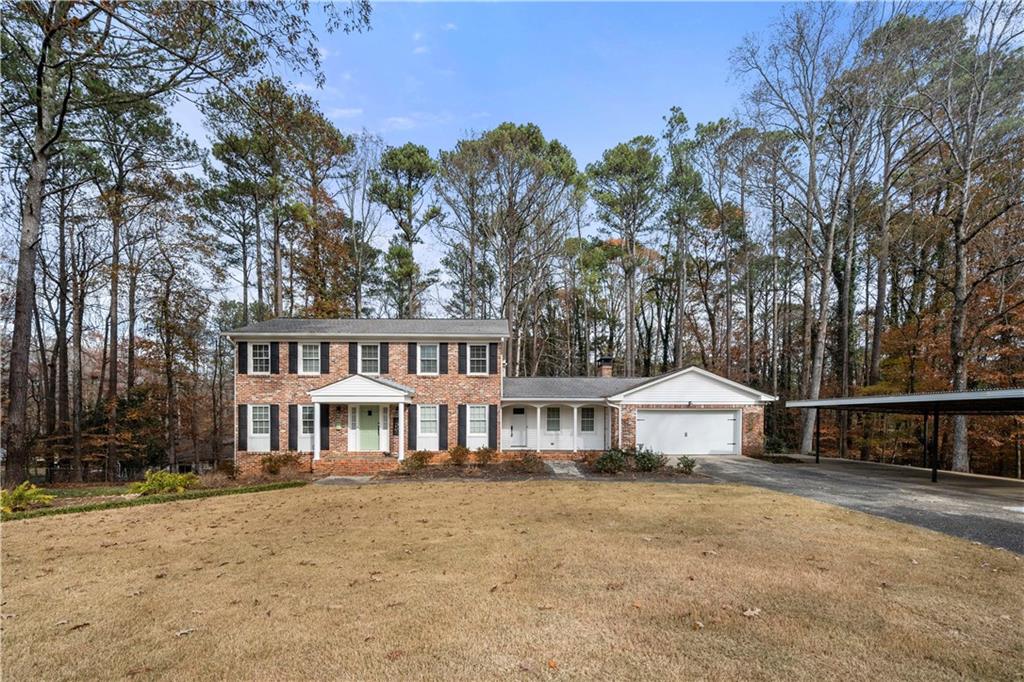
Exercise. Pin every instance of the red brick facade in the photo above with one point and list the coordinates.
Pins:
(285, 389)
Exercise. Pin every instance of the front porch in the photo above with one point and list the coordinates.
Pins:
(563, 427)
(360, 416)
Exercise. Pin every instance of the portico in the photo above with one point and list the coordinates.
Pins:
(374, 406)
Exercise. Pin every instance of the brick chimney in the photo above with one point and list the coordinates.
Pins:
(604, 366)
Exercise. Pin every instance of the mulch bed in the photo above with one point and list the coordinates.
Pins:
(498, 471)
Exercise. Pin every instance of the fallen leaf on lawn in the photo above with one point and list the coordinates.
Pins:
(545, 607)
(697, 625)
(392, 655)
(78, 627)
(553, 664)
(614, 586)
(494, 588)
(394, 604)
(709, 552)
(636, 605)
(752, 613)
(914, 561)
(186, 631)
(62, 622)
(160, 575)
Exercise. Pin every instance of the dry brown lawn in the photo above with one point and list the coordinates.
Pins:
(503, 580)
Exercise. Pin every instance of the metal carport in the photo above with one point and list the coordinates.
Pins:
(1008, 401)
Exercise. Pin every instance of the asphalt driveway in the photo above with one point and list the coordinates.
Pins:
(979, 508)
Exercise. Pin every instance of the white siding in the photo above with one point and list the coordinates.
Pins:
(558, 440)
(690, 387)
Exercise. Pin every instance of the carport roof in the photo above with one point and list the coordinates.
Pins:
(1001, 401)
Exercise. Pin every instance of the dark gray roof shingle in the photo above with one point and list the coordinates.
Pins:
(374, 327)
(566, 388)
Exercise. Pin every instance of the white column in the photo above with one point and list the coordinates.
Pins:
(316, 431)
(574, 409)
(401, 430)
(538, 428)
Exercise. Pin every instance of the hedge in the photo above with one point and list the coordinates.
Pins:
(151, 499)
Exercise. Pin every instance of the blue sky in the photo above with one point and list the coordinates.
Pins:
(589, 74)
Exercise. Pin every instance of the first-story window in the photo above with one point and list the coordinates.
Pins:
(310, 358)
(260, 415)
(587, 419)
(478, 359)
(260, 358)
(554, 419)
(428, 358)
(428, 420)
(308, 419)
(369, 358)
(477, 419)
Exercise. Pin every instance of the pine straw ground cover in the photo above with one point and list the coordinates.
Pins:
(518, 580)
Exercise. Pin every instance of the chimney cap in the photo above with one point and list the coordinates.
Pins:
(605, 360)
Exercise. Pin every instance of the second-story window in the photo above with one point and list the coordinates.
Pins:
(310, 358)
(261, 358)
(427, 358)
(478, 359)
(369, 358)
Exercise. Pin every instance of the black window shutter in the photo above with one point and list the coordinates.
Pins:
(412, 426)
(275, 361)
(243, 358)
(492, 360)
(442, 427)
(462, 425)
(325, 357)
(384, 357)
(293, 357)
(293, 427)
(412, 358)
(492, 427)
(442, 358)
(353, 357)
(462, 358)
(325, 427)
(243, 428)
(275, 429)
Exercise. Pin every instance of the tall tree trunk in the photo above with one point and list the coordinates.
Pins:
(112, 381)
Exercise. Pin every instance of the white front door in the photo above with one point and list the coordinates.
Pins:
(517, 428)
(688, 432)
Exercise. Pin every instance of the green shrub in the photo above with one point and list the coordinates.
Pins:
(775, 445)
(483, 456)
(685, 465)
(417, 460)
(24, 496)
(610, 461)
(158, 482)
(458, 455)
(274, 464)
(648, 460)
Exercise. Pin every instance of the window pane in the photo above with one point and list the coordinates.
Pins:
(587, 419)
(370, 364)
(307, 420)
(311, 358)
(477, 419)
(428, 419)
(260, 419)
(478, 359)
(261, 357)
(554, 419)
(428, 359)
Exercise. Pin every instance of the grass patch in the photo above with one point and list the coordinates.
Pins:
(473, 581)
(88, 491)
(150, 499)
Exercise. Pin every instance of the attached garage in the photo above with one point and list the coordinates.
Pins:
(689, 432)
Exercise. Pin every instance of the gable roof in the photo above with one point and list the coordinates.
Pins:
(566, 388)
(699, 371)
(373, 328)
(360, 386)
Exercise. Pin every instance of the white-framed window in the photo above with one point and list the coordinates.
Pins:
(478, 358)
(308, 419)
(477, 420)
(554, 419)
(427, 357)
(587, 419)
(428, 420)
(309, 357)
(259, 428)
(259, 354)
(369, 358)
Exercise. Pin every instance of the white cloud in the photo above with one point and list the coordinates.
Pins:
(415, 119)
(417, 36)
(399, 123)
(450, 26)
(344, 112)
(421, 49)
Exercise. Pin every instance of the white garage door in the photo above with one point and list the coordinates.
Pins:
(688, 432)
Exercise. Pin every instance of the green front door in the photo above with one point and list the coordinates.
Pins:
(369, 428)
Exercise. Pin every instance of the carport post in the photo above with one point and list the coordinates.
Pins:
(924, 436)
(935, 447)
(817, 435)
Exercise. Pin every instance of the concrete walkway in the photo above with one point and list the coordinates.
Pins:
(980, 508)
(342, 480)
(563, 469)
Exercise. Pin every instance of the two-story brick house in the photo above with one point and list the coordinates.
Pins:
(348, 395)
